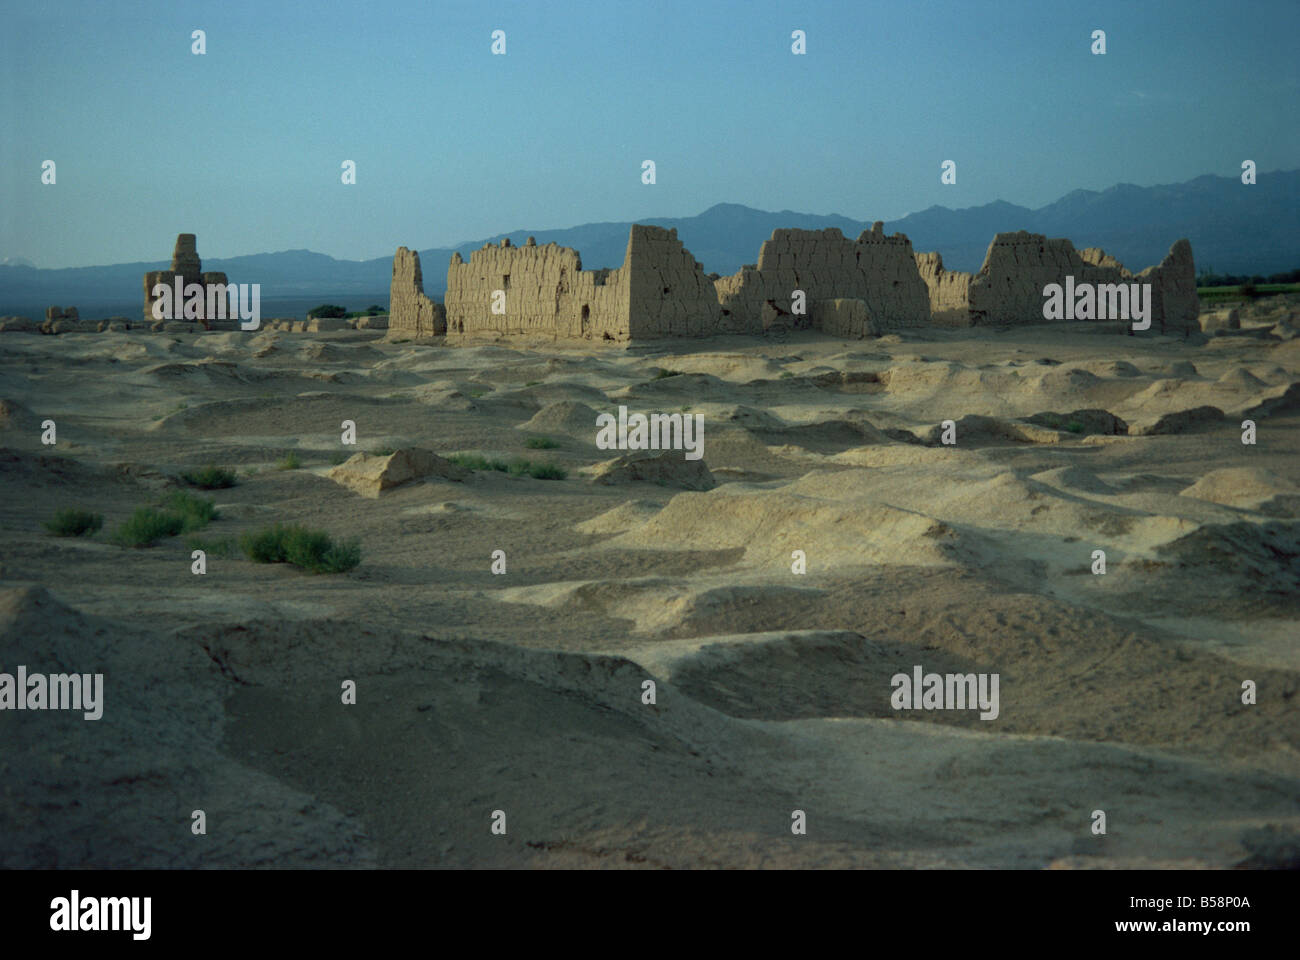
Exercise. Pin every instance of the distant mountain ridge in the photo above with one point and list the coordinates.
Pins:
(1233, 228)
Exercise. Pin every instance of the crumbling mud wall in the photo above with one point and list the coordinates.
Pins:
(670, 296)
(659, 291)
(845, 318)
(411, 314)
(542, 291)
(1017, 267)
(851, 289)
(1175, 306)
(949, 291)
(186, 265)
(1009, 286)
(878, 270)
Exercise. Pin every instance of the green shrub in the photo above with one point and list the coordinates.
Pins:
(327, 310)
(196, 512)
(310, 550)
(382, 452)
(516, 467)
(147, 526)
(291, 461)
(540, 443)
(264, 546)
(1074, 426)
(217, 547)
(519, 467)
(664, 372)
(547, 471)
(532, 383)
(476, 461)
(786, 374)
(74, 523)
(210, 478)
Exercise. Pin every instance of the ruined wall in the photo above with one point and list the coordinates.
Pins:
(670, 296)
(880, 271)
(949, 291)
(1175, 307)
(411, 314)
(1009, 287)
(187, 265)
(852, 288)
(845, 318)
(547, 293)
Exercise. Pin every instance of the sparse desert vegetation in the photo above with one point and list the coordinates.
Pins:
(312, 550)
(210, 478)
(71, 522)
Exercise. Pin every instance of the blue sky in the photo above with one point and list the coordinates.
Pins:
(243, 145)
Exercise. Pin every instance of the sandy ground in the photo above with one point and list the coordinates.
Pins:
(522, 692)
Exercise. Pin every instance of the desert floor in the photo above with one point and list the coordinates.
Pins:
(522, 692)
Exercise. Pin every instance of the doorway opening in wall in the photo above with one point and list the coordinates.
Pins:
(586, 320)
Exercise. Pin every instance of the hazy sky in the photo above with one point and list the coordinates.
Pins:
(243, 145)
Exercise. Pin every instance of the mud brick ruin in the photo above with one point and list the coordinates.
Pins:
(867, 287)
(186, 265)
(1009, 286)
(423, 317)
(660, 291)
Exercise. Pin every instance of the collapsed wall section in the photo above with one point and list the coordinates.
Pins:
(1175, 305)
(1018, 266)
(507, 291)
(949, 291)
(411, 314)
(878, 270)
(670, 296)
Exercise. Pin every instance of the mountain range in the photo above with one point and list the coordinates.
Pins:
(1233, 228)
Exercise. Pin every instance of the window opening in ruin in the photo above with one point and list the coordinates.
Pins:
(505, 281)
